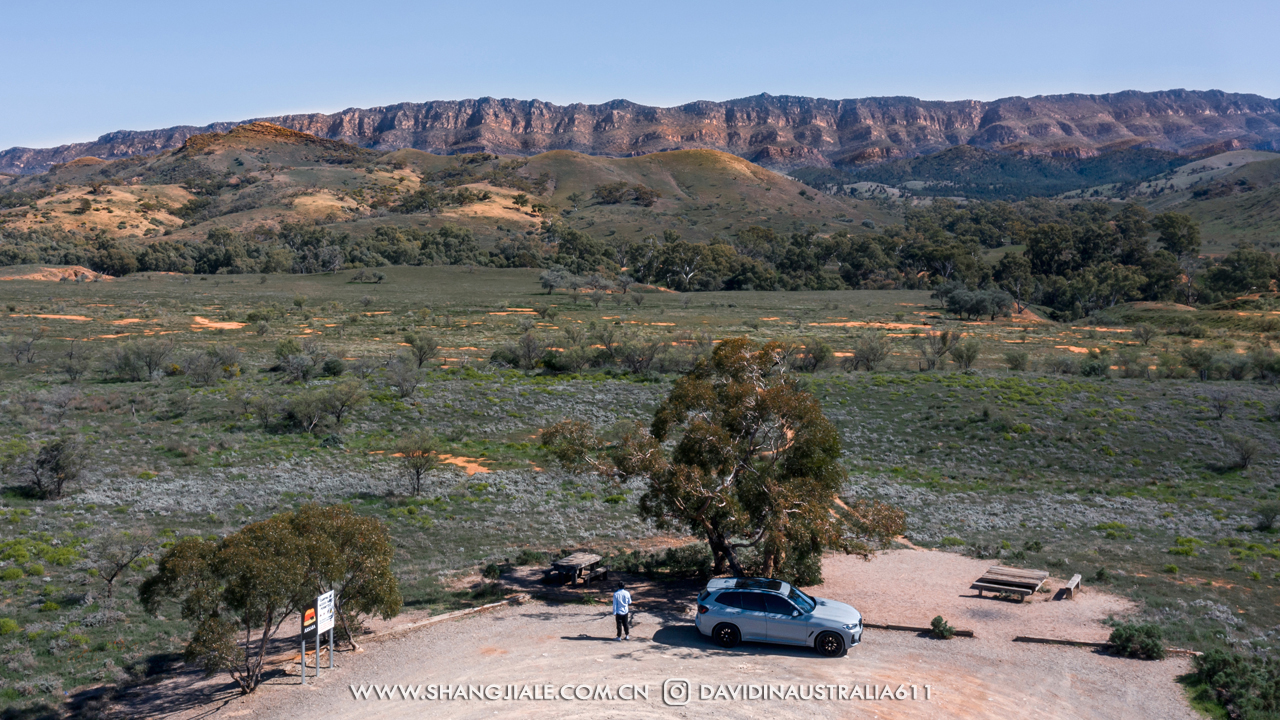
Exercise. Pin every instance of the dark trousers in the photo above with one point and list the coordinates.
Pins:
(624, 624)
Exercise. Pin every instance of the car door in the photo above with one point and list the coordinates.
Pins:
(754, 617)
(784, 621)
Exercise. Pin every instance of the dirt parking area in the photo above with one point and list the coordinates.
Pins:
(546, 647)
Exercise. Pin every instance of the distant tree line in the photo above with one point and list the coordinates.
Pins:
(1076, 259)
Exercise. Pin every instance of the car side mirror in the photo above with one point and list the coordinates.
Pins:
(795, 613)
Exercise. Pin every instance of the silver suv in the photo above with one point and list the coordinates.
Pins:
(731, 610)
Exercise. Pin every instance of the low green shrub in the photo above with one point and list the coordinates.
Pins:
(531, 557)
(1247, 686)
(1138, 641)
(492, 571)
(9, 625)
(941, 629)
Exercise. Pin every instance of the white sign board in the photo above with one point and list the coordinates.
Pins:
(324, 613)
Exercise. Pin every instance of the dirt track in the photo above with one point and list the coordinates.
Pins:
(538, 644)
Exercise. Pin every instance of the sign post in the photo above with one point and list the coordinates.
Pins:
(317, 619)
(324, 623)
(309, 633)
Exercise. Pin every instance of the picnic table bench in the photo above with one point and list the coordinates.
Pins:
(579, 566)
(1012, 581)
(1072, 587)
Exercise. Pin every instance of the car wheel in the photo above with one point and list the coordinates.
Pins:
(726, 635)
(829, 644)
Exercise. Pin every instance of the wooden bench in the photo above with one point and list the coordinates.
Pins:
(1010, 581)
(1073, 586)
(600, 573)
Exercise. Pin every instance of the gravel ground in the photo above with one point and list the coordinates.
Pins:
(538, 644)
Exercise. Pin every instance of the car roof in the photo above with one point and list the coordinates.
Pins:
(768, 584)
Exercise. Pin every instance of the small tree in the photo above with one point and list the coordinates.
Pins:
(573, 443)
(23, 346)
(941, 628)
(419, 453)
(966, 354)
(1268, 513)
(76, 361)
(552, 279)
(934, 345)
(56, 464)
(117, 551)
(1246, 449)
(246, 585)
(529, 350)
(351, 555)
(404, 377)
(1017, 360)
(339, 399)
(1220, 402)
(869, 351)
(422, 348)
(1199, 359)
(240, 590)
(1145, 333)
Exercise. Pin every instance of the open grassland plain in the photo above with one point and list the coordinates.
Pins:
(203, 403)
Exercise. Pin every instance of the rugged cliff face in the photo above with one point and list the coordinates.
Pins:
(776, 131)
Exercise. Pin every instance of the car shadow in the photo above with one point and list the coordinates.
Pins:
(687, 636)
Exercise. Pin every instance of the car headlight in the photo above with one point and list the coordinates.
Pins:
(852, 626)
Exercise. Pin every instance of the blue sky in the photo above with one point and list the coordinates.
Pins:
(76, 70)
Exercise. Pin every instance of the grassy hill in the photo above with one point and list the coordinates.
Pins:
(1240, 206)
(263, 175)
(976, 173)
(1235, 196)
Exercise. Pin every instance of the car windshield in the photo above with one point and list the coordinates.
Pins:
(804, 602)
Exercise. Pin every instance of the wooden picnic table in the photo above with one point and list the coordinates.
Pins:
(576, 565)
(1012, 581)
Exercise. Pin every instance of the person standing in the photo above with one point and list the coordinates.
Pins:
(622, 612)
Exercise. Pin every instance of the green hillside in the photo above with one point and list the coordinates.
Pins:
(1241, 206)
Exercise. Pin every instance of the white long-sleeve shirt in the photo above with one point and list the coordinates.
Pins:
(621, 602)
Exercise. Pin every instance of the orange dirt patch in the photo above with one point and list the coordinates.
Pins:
(207, 324)
(1072, 348)
(471, 465)
(56, 274)
(1026, 316)
(80, 318)
(859, 323)
(127, 321)
(1151, 305)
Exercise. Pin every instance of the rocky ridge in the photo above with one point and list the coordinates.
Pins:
(776, 131)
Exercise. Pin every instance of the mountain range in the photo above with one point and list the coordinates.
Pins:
(780, 132)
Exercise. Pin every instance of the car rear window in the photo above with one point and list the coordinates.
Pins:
(730, 599)
(753, 602)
